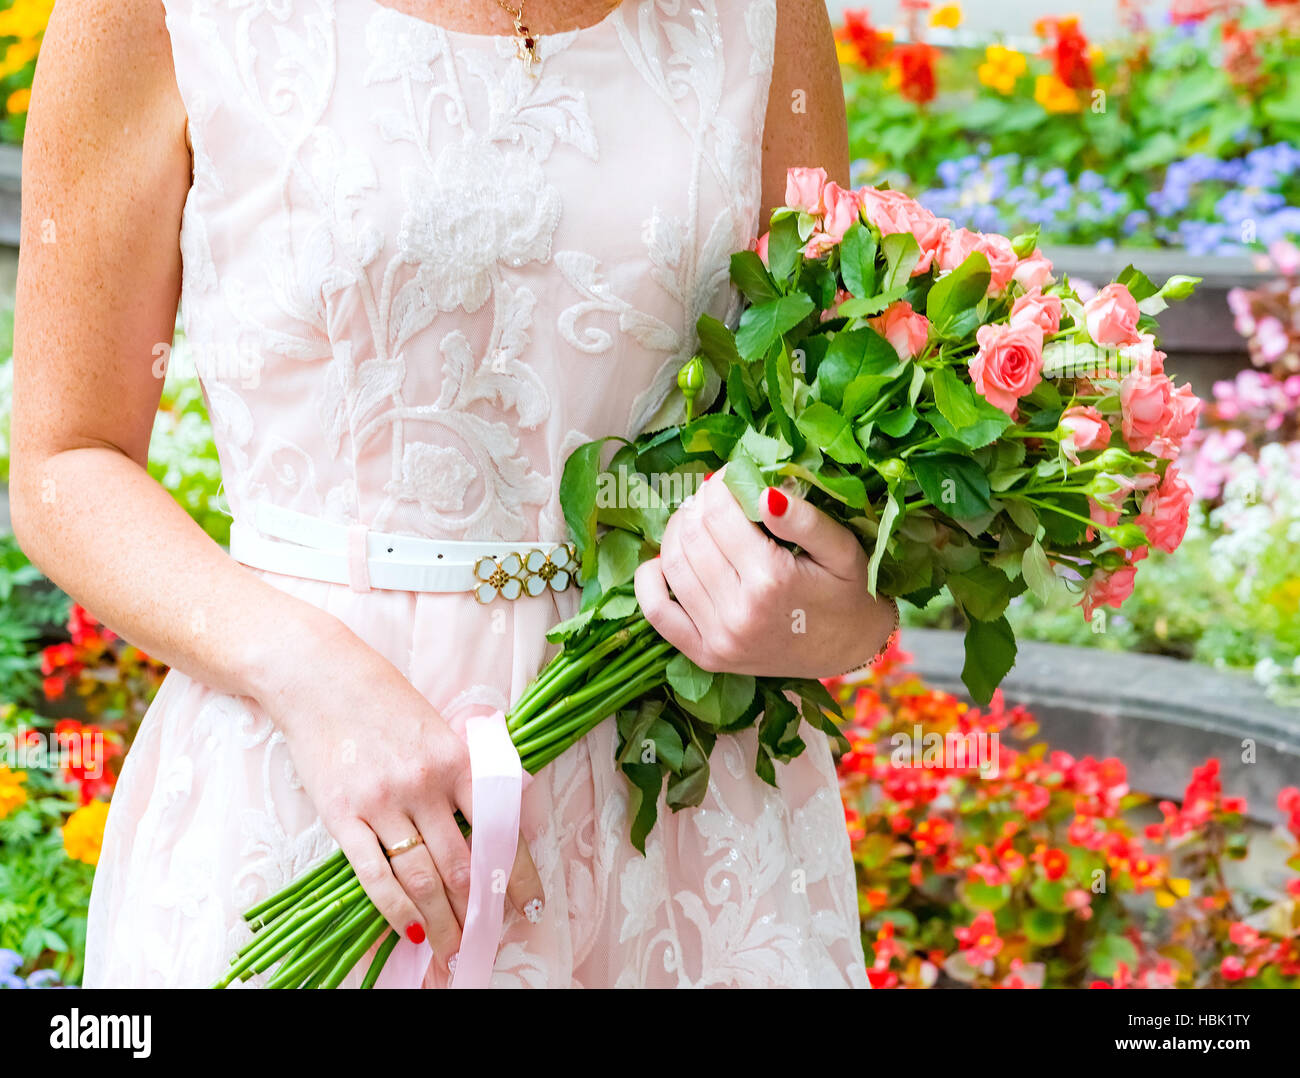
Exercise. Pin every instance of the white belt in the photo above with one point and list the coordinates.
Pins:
(296, 544)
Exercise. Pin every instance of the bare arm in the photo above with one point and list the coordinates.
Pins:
(106, 170)
(806, 124)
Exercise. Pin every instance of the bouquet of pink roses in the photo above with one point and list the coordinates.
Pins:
(978, 426)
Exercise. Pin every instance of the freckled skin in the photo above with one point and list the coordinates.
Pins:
(740, 602)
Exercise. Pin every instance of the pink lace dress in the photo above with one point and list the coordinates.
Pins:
(415, 278)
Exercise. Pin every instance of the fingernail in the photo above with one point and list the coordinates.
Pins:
(777, 503)
(415, 932)
(451, 962)
(533, 910)
(708, 476)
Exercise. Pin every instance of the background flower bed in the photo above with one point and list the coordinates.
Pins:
(1186, 132)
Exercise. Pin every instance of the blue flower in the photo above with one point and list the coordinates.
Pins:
(10, 961)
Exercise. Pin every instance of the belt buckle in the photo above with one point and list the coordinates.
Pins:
(511, 576)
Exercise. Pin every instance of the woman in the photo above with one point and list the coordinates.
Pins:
(419, 264)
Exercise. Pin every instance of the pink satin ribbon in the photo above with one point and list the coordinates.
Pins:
(497, 781)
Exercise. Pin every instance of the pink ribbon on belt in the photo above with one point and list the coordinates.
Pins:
(497, 782)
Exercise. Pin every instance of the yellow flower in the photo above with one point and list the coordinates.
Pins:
(948, 15)
(83, 832)
(12, 793)
(845, 52)
(1055, 96)
(1001, 68)
(18, 56)
(18, 101)
(26, 18)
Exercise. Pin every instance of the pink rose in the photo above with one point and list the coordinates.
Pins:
(1165, 511)
(956, 248)
(1144, 407)
(1088, 430)
(803, 189)
(1143, 355)
(902, 327)
(1043, 311)
(1008, 365)
(1112, 316)
(841, 294)
(1002, 260)
(1033, 272)
(1184, 408)
(1099, 514)
(892, 212)
(1125, 486)
(760, 248)
(1107, 588)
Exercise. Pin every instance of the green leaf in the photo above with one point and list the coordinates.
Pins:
(578, 485)
(990, 655)
(725, 700)
(1043, 927)
(856, 357)
(746, 482)
(858, 260)
(953, 301)
(866, 306)
(783, 248)
(954, 398)
(825, 428)
(888, 518)
(1038, 573)
(953, 484)
(1109, 951)
(647, 780)
(688, 680)
(717, 342)
(762, 324)
(617, 556)
(902, 253)
(982, 591)
(750, 275)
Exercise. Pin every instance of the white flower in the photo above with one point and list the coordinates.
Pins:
(481, 206)
(435, 476)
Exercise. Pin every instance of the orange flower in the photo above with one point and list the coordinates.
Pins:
(1055, 96)
(17, 102)
(871, 47)
(914, 71)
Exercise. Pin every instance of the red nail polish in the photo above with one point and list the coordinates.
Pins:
(415, 932)
(708, 476)
(777, 503)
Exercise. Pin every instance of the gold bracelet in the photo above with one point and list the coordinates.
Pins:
(894, 603)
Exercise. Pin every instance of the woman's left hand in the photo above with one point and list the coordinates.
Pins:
(730, 599)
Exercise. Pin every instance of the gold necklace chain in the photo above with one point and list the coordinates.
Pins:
(525, 42)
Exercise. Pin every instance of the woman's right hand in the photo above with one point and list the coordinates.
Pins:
(382, 765)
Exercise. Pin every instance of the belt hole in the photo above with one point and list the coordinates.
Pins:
(440, 556)
(390, 550)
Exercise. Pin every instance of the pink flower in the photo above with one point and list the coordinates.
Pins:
(803, 189)
(1107, 518)
(1043, 311)
(1285, 257)
(1033, 272)
(1112, 316)
(1002, 260)
(841, 294)
(759, 246)
(1143, 355)
(1144, 404)
(902, 327)
(957, 245)
(892, 212)
(1008, 365)
(842, 208)
(1107, 588)
(1165, 511)
(1184, 408)
(1087, 428)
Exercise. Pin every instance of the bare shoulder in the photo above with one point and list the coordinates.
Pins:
(805, 122)
(105, 81)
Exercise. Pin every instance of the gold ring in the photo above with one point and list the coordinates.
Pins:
(403, 846)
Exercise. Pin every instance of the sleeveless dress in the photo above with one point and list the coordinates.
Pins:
(415, 278)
